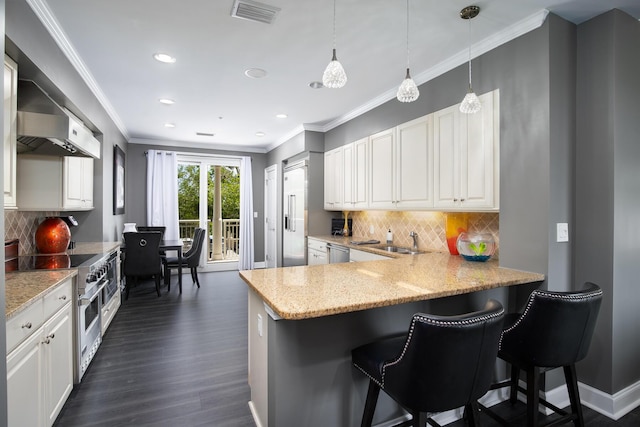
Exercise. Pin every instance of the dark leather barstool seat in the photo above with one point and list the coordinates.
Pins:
(442, 363)
(554, 330)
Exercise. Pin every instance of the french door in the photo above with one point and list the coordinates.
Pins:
(209, 198)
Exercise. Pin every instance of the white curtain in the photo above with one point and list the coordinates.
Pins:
(246, 215)
(162, 192)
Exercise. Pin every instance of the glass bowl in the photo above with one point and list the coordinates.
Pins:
(476, 246)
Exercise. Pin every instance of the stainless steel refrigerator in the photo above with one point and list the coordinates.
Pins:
(294, 210)
(303, 206)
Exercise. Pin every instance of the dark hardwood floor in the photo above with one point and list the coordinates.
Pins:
(182, 361)
(171, 360)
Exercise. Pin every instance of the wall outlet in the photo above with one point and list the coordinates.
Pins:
(371, 229)
(259, 325)
(562, 232)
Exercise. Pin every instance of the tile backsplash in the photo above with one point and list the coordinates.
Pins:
(22, 225)
(430, 227)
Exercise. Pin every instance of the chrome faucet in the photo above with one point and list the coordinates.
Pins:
(414, 236)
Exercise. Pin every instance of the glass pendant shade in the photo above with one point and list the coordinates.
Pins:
(470, 104)
(334, 76)
(408, 91)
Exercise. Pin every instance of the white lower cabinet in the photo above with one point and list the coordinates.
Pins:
(316, 252)
(40, 369)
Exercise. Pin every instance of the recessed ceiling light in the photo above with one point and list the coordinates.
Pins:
(169, 125)
(255, 73)
(316, 85)
(163, 57)
(281, 116)
(260, 134)
(166, 101)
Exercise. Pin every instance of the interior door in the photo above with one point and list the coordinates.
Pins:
(271, 216)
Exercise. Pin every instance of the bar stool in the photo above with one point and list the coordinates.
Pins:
(554, 330)
(442, 363)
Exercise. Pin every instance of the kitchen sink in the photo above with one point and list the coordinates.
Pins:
(399, 249)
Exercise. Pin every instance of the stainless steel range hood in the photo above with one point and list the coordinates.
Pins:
(46, 128)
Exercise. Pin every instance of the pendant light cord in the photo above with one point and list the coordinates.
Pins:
(334, 24)
(407, 34)
(469, 38)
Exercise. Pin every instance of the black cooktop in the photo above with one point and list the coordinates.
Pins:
(53, 261)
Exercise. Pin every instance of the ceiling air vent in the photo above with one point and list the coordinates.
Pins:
(254, 11)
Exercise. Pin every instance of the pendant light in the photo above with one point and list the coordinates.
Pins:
(408, 91)
(334, 76)
(470, 104)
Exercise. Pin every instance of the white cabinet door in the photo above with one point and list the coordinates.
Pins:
(316, 252)
(360, 176)
(78, 182)
(25, 397)
(333, 179)
(10, 103)
(347, 177)
(58, 362)
(414, 154)
(382, 170)
(466, 150)
(479, 180)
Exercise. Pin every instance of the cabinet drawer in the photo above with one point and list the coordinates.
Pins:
(25, 323)
(55, 299)
(317, 245)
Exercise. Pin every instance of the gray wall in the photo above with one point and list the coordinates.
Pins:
(40, 59)
(608, 193)
(562, 148)
(135, 180)
(307, 144)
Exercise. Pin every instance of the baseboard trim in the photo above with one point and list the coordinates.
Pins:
(254, 414)
(613, 406)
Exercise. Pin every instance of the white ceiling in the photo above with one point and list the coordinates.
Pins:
(112, 43)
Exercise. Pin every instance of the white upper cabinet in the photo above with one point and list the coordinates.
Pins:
(334, 179)
(414, 159)
(466, 154)
(78, 183)
(10, 114)
(381, 170)
(55, 183)
(360, 178)
(444, 161)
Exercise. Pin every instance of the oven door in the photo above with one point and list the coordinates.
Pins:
(89, 325)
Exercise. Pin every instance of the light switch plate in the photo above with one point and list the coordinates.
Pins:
(562, 232)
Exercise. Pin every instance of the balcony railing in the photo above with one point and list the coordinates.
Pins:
(230, 236)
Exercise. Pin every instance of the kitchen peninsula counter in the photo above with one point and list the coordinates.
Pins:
(305, 292)
(304, 321)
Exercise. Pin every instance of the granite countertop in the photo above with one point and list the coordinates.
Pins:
(305, 292)
(23, 288)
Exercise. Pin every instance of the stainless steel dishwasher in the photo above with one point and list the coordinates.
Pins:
(337, 253)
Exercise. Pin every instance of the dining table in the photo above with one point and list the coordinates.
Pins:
(168, 245)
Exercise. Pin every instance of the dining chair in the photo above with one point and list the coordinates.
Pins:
(142, 257)
(441, 363)
(190, 259)
(159, 228)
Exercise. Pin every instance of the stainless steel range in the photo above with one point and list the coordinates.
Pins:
(98, 297)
